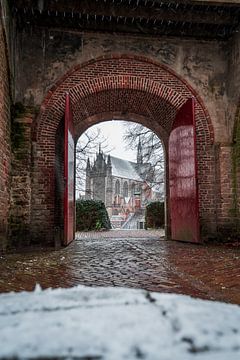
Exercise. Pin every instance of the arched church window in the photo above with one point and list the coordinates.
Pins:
(125, 189)
(138, 189)
(117, 187)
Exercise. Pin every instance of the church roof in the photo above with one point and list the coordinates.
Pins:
(124, 169)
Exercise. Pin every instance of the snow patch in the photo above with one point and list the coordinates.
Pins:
(116, 323)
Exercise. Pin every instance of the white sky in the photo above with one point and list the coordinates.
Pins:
(113, 131)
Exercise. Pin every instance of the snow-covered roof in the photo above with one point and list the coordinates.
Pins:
(124, 169)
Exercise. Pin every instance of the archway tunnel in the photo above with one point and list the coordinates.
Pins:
(121, 87)
(122, 164)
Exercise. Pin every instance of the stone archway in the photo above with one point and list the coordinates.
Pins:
(129, 87)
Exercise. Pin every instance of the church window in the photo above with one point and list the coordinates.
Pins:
(117, 187)
(133, 189)
(138, 189)
(125, 189)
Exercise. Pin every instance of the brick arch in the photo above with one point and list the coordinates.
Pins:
(124, 85)
(113, 93)
(121, 71)
(128, 116)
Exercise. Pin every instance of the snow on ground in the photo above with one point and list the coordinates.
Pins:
(115, 323)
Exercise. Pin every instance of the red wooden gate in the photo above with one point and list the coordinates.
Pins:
(184, 206)
(69, 174)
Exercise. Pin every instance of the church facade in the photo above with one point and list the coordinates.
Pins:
(124, 186)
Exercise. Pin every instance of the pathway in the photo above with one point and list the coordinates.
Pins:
(137, 259)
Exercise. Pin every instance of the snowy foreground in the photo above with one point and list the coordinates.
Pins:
(115, 323)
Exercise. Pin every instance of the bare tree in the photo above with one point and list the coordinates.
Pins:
(152, 149)
(87, 146)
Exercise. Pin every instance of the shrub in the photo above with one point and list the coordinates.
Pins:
(91, 215)
(154, 215)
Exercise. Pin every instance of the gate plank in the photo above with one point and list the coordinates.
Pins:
(184, 203)
(69, 174)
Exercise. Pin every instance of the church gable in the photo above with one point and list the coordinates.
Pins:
(124, 186)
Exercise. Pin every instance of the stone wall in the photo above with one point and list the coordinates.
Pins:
(43, 58)
(229, 152)
(122, 87)
(235, 160)
(5, 147)
(21, 186)
(48, 55)
(234, 94)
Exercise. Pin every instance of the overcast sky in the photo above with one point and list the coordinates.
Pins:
(113, 131)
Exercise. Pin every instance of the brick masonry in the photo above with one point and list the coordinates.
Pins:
(137, 259)
(203, 64)
(120, 85)
(235, 160)
(138, 78)
(5, 154)
(20, 194)
(231, 168)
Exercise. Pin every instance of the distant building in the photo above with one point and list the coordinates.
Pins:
(124, 186)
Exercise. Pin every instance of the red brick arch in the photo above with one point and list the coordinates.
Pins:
(131, 87)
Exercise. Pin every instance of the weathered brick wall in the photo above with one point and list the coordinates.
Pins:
(233, 82)
(19, 221)
(48, 55)
(127, 89)
(235, 160)
(5, 155)
(119, 87)
(234, 94)
(229, 152)
(236, 171)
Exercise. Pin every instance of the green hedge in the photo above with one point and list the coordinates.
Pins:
(91, 215)
(154, 215)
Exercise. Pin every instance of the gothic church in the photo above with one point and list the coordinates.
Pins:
(122, 185)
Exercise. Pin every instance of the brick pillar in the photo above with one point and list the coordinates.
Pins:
(5, 141)
(226, 218)
(236, 176)
(167, 198)
(21, 182)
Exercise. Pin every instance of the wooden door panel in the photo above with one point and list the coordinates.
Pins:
(184, 204)
(69, 175)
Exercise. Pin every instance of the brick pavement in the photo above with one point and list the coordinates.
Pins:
(140, 259)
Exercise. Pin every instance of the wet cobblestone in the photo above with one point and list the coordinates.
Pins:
(131, 259)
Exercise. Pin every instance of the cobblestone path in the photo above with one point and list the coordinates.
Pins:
(132, 259)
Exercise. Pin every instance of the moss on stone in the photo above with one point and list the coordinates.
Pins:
(18, 127)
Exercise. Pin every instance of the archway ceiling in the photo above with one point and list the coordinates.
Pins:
(133, 105)
(149, 94)
(192, 18)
